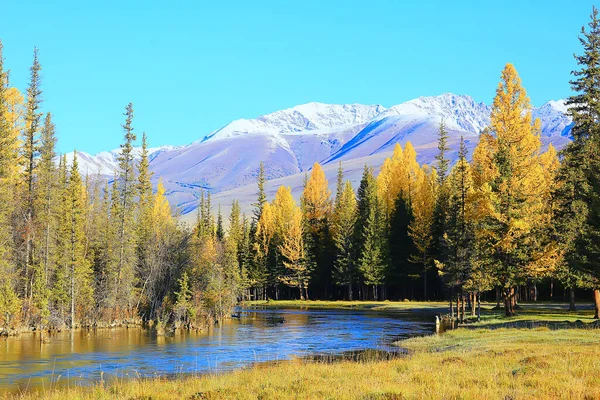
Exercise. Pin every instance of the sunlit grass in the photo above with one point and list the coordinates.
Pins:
(465, 364)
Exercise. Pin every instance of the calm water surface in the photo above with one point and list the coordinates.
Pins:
(84, 357)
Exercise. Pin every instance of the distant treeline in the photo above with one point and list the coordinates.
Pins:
(80, 251)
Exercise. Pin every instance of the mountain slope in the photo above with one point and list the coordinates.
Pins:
(290, 141)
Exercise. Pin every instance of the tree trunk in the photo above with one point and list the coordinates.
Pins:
(596, 303)
(508, 294)
(572, 299)
(498, 297)
(478, 306)
(458, 306)
(462, 309)
(350, 291)
(425, 285)
(551, 288)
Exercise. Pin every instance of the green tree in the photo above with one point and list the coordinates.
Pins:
(124, 211)
(344, 225)
(30, 151)
(577, 189)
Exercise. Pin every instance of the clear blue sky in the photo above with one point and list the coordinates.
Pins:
(190, 67)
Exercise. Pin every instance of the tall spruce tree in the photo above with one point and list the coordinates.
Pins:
(439, 251)
(577, 217)
(30, 152)
(124, 211)
(345, 213)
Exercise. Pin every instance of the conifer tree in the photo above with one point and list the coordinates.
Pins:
(420, 228)
(9, 302)
(79, 269)
(459, 235)
(261, 197)
(508, 164)
(344, 225)
(124, 210)
(220, 232)
(577, 189)
(46, 199)
(439, 251)
(316, 209)
(30, 151)
(372, 258)
(290, 242)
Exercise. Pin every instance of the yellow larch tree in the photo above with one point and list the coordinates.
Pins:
(423, 204)
(290, 239)
(509, 179)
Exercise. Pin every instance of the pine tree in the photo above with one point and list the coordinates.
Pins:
(46, 199)
(372, 258)
(344, 226)
(459, 235)
(30, 150)
(577, 190)
(80, 271)
(261, 197)
(220, 232)
(439, 251)
(124, 210)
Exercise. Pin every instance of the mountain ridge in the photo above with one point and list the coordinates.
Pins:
(289, 141)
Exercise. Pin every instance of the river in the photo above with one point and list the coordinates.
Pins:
(259, 335)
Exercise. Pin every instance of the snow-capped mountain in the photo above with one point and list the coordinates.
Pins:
(290, 141)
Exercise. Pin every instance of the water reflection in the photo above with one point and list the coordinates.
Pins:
(85, 356)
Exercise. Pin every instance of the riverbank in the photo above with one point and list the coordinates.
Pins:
(469, 364)
(416, 306)
(491, 317)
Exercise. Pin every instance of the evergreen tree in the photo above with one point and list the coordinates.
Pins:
(80, 273)
(438, 246)
(46, 199)
(344, 225)
(220, 232)
(261, 197)
(577, 190)
(372, 259)
(124, 210)
(30, 151)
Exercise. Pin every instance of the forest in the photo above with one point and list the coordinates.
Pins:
(83, 251)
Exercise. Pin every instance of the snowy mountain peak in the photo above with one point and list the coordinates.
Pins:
(306, 118)
(458, 111)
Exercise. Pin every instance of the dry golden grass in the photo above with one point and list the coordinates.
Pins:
(462, 364)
